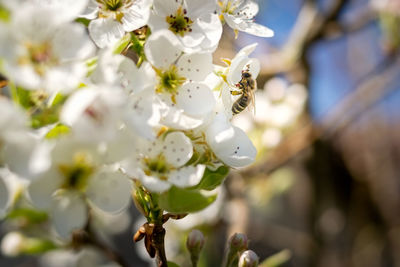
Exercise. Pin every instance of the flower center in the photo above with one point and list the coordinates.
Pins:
(229, 7)
(40, 56)
(179, 24)
(157, 166)
(77, 175)
(112, 8)
(169, 80)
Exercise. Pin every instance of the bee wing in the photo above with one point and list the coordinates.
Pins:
(252, 97)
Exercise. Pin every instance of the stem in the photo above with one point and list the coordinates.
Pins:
(158, 243)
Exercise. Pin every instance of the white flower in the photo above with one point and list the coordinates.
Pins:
(229, 143)
(161, 163)
(111, 19)
(18, 146)
(66, 10)
(239, 15)
(42, 51)
(179, 77)
(194, 22)
(95, 113)
(11, 186)
(77, 177)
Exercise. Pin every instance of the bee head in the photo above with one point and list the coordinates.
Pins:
(246, 74)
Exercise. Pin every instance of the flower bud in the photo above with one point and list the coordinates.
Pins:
(195, 240)
(248, 259)
(12, 244)
(238, 242)
(236, 245)
(194, 244)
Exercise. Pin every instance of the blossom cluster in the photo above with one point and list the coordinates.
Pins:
(104, 96)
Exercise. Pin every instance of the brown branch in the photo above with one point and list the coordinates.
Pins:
(158, 243)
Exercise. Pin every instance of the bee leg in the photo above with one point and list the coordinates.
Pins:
(236, 92)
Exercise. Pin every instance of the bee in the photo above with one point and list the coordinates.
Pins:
(247, 85)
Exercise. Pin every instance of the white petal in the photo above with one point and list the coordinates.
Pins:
(165, 8)
(17, 153)
(211, 26)
(109, 191)
(191, 40)
(41, 189)
(135, 80)
(246, 51)
(195, 99)
(242, 64)
(230, 144)
(136, 16)
(70, 41)
(105, 32)
(25, 76)
(65, 77)
(187, 176)
(144, 113)
(178, 148)
(4, 197)
(69, 213)
(68, 9)
(197, 8)
(195, 67)
(248, 26)
(91, 10)
(107, 67)
(76, 105)
(154, 184)
(162, 49)
(248, 9)
(176, 118)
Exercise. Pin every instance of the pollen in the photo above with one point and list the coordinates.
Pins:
(179, 23)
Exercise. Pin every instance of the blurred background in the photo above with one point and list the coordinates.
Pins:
(325, 189)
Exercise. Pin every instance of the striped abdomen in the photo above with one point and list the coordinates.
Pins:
(241, 103)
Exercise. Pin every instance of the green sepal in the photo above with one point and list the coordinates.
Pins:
(29, 215)
(180, 200)
(212, 179)
(277, 259)
(57, 131)
(34, 246)
(83, 21)
(172, 264)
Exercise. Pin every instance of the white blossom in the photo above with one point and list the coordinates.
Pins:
(43, 51)
(161, 163)
(111, 19)
(239, 15)
(77, 177)
(179, 77)
(195, 23)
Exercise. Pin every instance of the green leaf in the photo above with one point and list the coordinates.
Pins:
(121, 44)
(34, 246)
(179, 200)
(4, 14)
(172, 264)
(57, 131)
(30, 215)
(24, 97)
(83, 21)
(212, 179)
(277, 259)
